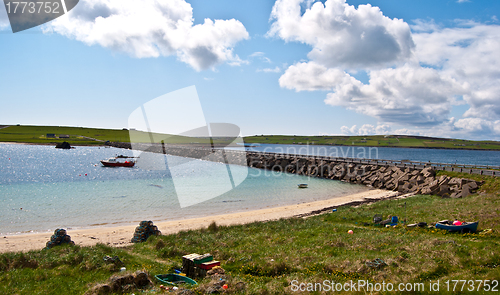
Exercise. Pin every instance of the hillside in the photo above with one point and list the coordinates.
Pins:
(407, 141)
(97, 136)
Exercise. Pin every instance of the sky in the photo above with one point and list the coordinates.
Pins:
(293, 67)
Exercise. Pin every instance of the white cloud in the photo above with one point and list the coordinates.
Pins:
(261, 56)
(470, 55)
(343, 36)
(402, 95)
(366, 129)
(313, 76)
(269, 70)
(152, 29)
(416, 88)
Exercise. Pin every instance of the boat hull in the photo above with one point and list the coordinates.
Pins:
(124, 164)
(469, 227)
(174, 279)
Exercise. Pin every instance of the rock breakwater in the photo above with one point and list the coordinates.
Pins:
(402, 179)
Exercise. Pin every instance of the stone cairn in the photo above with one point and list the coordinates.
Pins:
(404, 180)
(144, 231)
(58, 238)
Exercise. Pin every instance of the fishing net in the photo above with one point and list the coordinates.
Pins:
(58, 238)
(144, 231)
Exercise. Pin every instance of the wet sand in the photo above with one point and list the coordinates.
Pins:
(121, 235)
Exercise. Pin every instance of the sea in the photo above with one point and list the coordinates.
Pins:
(43, 188)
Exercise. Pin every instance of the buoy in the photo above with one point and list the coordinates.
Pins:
(457, 222)
(350, 232)
(224, 286)
(85, 174)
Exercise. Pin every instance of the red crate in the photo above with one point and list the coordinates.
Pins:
(208, 265)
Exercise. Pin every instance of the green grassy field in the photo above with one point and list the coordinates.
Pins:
(93, 136)
(90, 136)
(77, 135)
(269, 256)
(378, 141)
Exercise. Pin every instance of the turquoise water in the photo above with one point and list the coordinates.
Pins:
(43, 188)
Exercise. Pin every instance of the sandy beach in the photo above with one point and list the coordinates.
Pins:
(121, 235)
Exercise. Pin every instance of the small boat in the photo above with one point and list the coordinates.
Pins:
(465, 227)
(302, 185)
(175, 279)
(119, 161)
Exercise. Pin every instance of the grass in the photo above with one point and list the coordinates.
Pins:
(269, 256)
(78, 135)
(96, 136)
(378, 141)
(93, 136)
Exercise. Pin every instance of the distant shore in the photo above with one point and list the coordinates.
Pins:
(337, 145)
(121, 235)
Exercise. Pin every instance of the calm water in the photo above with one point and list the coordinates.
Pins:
(70, 189)
(469, 157)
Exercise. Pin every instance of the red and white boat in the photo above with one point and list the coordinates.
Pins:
(119, 161)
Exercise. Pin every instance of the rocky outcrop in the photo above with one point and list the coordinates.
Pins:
(402, 179)
(119, 284)
(63, 145)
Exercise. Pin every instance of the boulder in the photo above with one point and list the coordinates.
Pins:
(63, 145)
(443, 180)
(141, 279)
(466, 191)
(118, 282)
(428, 172)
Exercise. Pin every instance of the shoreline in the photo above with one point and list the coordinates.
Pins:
(120, 236)
(338, 145)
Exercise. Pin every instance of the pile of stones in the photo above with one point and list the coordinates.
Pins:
(58, 238)
(144, 231)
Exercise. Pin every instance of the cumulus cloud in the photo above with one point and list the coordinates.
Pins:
(152, 29)
(313, 76)
(366, 129)
(406, 94)
(468, 54)
(341, 35)
(427, 73)
(270, 70)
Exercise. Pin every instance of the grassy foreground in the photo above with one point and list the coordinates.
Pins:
(269, 257)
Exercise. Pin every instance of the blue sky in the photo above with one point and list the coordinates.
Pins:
(285, 67)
